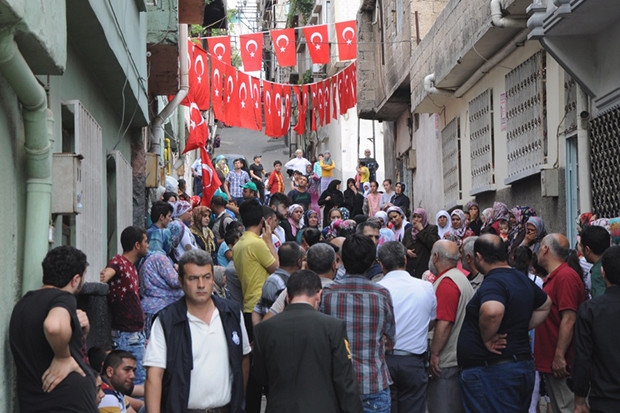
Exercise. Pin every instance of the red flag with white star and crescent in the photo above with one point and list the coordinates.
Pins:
(198, 129)
(346, 38)
(251, 51)
(218, 74)
(284, 46)
(219, 47)
(317, 42)
(210, 181)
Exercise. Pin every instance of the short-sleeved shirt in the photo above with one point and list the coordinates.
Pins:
(448, 295)
(211, 378)
(520, 297)
(113, 401)
(236, 181)
(566, 291)
(258, 171)
(364, 174)
(276, 182)
(252, 257)
(124, 296)
(274, 285)
(302, 198)
(32, 355)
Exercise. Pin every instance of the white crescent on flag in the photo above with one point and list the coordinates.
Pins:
(268, 100)
(280, 37)
(317, 45)
(202, 67)
(192, 116)
(243, 87)
(278, 103)
(255, 93)
(345, 31)
(206, 168)
(217, 80)
(218, 46)
(247, 47)
(320, 98)
(230, 84)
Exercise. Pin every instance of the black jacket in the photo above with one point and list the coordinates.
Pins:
(179, 357)
(354, 202)
(336, 199)
(422, 247)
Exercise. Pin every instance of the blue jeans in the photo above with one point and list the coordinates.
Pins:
(501, 388)
(134, 343)
(376, 402)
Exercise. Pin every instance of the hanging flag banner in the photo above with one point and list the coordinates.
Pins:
(257, 102)
(210, 181)
(269, 109)
(317, 42)
(198, 129)
(251, 51)
(286, 113)
(199, 91)
(219, 47)
(284, 46)
(218, 74)
(246, 105)
(334, 82)
(231, 98)
(346, 39)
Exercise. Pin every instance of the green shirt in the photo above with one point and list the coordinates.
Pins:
(596, 279)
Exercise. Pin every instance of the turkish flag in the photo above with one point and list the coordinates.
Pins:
(342, 99)
(349, 78)
(317, 42)
(300, 128)
(286, 110)
(246, 105)
(315, 104)
(347, 44)
(199, 91)
(353, 84)
(231, 98)
(321, 102)
(198, 129)
(327, 87)
(210, 181)
(257, 102)
(218, 74)
(252, 51)
(334, 81)
(219, 47)
(269, 109)
(284, 46)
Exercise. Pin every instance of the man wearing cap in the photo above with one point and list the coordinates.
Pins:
(249, 191)
(235, 180)
(257, 172)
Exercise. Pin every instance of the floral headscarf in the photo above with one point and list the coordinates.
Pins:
(340, 228)
(471, 204)
(522, 215)
(457, 232)
(422, 212)
(539, 225)
(344, 212)
(500, 212)
(180, 207)
(488, 216)
(307, 216)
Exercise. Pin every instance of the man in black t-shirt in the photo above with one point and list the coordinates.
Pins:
(300, 195)
(47, 333)
(257, 172)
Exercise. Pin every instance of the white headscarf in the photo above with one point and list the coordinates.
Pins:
(442, 230)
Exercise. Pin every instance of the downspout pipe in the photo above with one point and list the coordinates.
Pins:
(498, 19)
(583, 151)
(38, 149)
(156, 128)
(429, 87)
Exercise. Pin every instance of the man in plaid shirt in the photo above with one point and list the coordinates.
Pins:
(366, 307)
(235, 181)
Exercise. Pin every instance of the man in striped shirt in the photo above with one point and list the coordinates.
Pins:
(366, 307)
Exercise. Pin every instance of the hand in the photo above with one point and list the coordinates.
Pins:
(418, 225)
(84, 322)
(58, 370)
(559, 367)
(496, 343)
(411, 254)
(327, 198)
(581, 409)
(267, 232)
(434, 366)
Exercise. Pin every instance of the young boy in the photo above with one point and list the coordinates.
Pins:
(276, 180)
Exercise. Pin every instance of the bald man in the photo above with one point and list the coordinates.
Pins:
(453, 292)
(553, 349)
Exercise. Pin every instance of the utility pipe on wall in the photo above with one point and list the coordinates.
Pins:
(431, 89)
(583, 150)
(156, 128)
(38, 149)
(498, 19)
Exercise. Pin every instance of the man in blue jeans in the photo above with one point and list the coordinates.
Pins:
(366, 307)
(124, 296)
(493, 348)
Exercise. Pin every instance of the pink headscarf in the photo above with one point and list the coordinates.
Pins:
(422, 213)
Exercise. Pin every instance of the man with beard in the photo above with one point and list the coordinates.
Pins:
(118, 372)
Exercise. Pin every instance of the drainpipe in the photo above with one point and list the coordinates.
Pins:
(429, 87)
(583, 149)
(156, 129)
(498, 19)
(38, 150)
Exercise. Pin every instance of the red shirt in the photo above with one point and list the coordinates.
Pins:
(448, 295)
(124, 296)
(566, 291)
(276, 182)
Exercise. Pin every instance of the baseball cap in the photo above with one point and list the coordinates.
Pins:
(257, 156)
(250, 186)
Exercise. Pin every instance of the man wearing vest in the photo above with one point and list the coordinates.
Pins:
(453, 292)
(186, 367)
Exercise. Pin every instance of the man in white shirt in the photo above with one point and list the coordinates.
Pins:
(415, 308)
(298, 163)
(197, 356)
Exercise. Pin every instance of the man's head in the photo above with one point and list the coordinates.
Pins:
(251, 212)
(196, 276)
(182, 185)
(467, 254)
(611, 266)
(489, 252)
(249, 190)
(238, 163)
(392, 256)
(553, 251)
(217, 204)
(593, 242)
(279, 202)
(367, 153)
(358, 253)
(270, 216)
(321, 258)
(302, 182)
(299, 153)
(304, 285)
(133, 238)
(231, 237)
(65, 266)
(161, 213)
(444, 256)
(257, 159)
(119, 368)
(277, 165)
(370, 228)
(290, 256)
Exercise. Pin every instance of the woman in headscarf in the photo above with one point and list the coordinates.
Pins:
(295, 212)
(442, 220)
(419, 242)
(373, 200)
(205, 239)
(399, 222)
(330, 198)
(385, 233)
(534, 233)
(327, 170)
(521, 214)
(180, 235)
(400, 199)
(475, 223)
(313, 188)
(458, 230)
(219, 282)
(353, 199)
(500, 213)
(221, 169)
(487, 217)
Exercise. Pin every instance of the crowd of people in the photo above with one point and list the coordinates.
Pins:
(324, 298)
